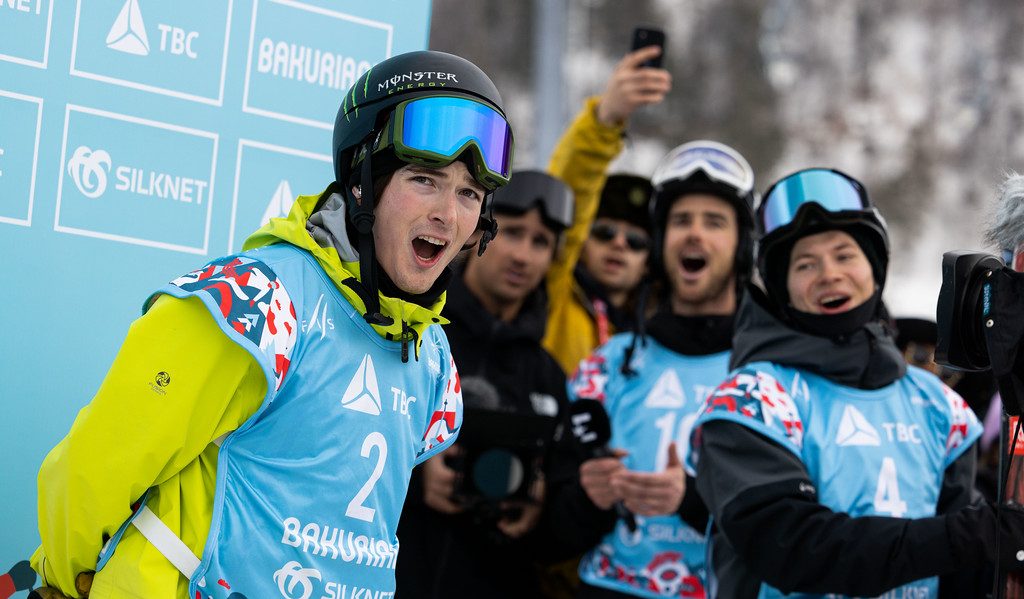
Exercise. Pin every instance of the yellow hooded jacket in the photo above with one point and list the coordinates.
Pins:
(135, 434)
(581, 160)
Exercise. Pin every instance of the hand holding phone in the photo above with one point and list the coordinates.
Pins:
(633, 84)
(644, 37)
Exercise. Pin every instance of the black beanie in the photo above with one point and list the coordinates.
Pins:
(626, 197)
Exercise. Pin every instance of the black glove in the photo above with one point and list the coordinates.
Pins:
(978, 537)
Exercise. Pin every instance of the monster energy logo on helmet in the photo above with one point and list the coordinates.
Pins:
(417, 79)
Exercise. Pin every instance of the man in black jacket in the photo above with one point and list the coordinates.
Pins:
(469, 526)
(830, 468)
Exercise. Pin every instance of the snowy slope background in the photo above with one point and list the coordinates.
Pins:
(921, 100)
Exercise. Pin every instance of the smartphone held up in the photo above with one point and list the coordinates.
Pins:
(644, 37)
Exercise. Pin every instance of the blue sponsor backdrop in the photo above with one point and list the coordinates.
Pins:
(138, 139)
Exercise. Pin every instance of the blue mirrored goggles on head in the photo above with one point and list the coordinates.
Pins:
(829, 189)
(435, 130)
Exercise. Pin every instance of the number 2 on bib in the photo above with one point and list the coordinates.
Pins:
(355, 508)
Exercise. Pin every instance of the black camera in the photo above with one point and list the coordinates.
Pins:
(980, 320)
(965, 302)
(502, 450)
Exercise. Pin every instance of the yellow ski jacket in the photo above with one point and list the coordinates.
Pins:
(136, 434)
(581, 160)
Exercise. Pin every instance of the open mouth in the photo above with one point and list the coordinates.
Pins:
(694, 264)
(834, 302)
(428, 248)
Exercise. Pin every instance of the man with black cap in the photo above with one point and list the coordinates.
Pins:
(830, 468)
(466, 539)
(591, 286)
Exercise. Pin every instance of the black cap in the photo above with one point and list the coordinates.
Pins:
(626, 197)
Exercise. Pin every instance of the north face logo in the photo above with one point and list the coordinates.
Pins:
(362, 394)
(128, 33)
(854, 429)
(667, 392)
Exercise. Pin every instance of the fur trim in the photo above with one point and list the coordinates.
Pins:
(1006, 230)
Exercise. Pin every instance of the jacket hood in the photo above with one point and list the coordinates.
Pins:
(335, 254)
(865, 359)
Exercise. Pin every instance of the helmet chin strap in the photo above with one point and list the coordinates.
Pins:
(360, 209)
(490, 229)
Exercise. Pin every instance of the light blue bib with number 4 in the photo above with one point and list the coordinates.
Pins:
(879, 452)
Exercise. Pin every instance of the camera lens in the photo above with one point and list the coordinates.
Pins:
(497, 473)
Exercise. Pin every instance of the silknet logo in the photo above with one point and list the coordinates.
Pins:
(293, 575)
(89, 170)
(128, 34)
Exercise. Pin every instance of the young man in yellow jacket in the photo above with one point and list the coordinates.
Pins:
(576, 323)
(255, 434)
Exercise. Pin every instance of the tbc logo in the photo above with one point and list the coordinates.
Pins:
(280, 204)
(292, 574)
(128, 34)
(667, 392)
(362, 394)
(855, 430)
(89, 171)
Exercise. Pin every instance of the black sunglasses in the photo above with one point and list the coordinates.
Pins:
(605, 232)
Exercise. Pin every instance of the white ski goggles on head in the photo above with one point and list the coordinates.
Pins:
(719, 162)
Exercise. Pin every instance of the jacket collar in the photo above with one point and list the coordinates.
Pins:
(866, 358)
(323, 234)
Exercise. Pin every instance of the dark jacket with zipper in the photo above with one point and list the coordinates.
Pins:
(759, 493)
(504, 369)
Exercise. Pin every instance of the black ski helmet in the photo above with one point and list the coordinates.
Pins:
(815, 200)
(359, 125)
(536, 189)
(373, 97)
(713, 168)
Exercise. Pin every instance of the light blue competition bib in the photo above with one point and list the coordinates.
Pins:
(881, 452)
(310, 488)
(664, 557)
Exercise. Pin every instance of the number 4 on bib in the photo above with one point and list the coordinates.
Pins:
(887, 494)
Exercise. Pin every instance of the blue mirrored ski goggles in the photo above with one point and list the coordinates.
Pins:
(435, 130)
(829, 189)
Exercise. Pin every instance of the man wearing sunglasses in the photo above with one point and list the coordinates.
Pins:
(592, 284)
(514, 392)
(256, 433)
(830, 468)
(653, 383)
